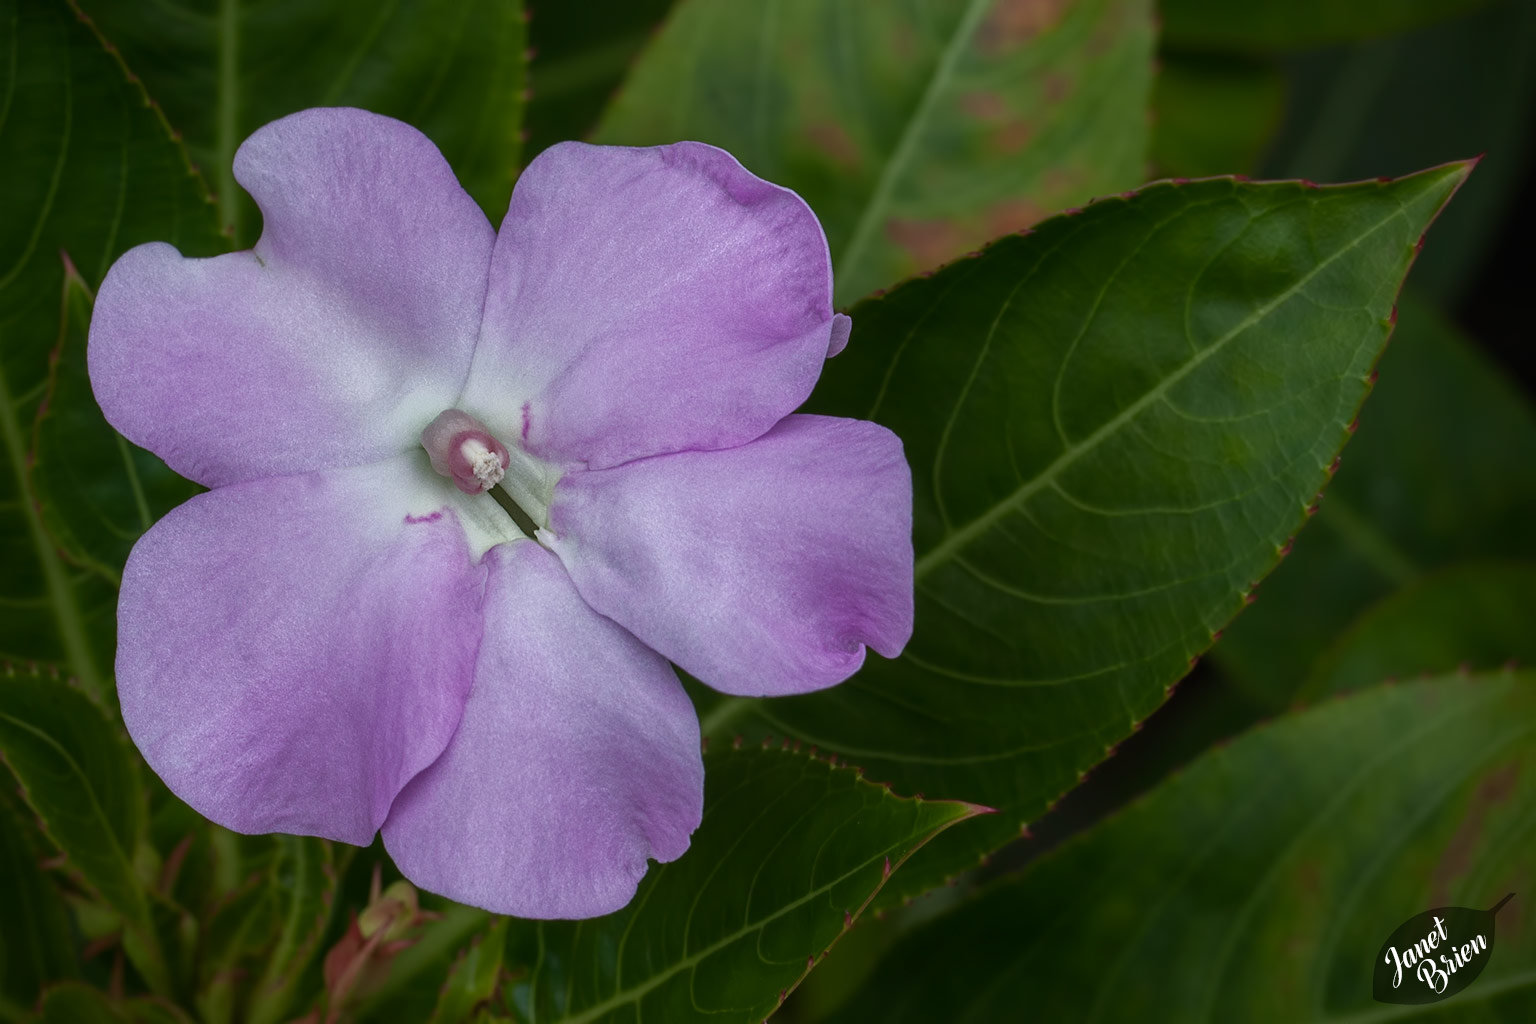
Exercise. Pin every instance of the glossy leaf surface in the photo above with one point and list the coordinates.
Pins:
(453, 68)
(915, 131)
(1439, 472)
(1278, 864)
(1164, 426)
(791, 849)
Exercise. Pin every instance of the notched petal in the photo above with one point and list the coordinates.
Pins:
(578, 759)
(761, 570)
(292, 651)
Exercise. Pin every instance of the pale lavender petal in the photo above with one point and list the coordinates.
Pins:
(349, 326)
(761, 570)
(577, 759)
(646, 301)
(842, 327)
(291, 651)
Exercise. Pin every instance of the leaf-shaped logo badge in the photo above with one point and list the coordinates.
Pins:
(1434, 955)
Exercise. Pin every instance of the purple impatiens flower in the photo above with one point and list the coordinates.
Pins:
(348, 634)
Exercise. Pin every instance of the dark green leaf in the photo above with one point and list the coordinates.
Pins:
(474, 978)
(1475, 615)
(1440, 472)
(1214, 115)
(96, 492)
(1393, 105)
(302, 887)
(1258, 885)
(235, 936)
(153, 1010)
(263, 936)
(453, 68)
(36, 945)
(87, 168)
(81, 1004)
(790, 851)
(581, 52)
(78, 777)
(916, 132)
(1114, 424)
(1292, 24)
(78, 1004)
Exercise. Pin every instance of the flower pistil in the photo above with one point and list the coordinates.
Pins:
(463, 449)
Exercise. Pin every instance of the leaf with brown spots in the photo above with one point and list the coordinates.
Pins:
(916, 132)
(1259, 884)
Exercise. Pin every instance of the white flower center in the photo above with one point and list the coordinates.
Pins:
(463, 449)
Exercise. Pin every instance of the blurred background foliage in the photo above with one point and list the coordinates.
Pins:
(118, 903)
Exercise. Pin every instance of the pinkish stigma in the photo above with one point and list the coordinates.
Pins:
(462, 448)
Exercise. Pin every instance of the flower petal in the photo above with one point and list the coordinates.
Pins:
(761, 570)
(349, 326)
(577, 759)
(646, 301)
(291, 651)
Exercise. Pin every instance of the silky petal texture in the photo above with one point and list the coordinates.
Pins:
(761, 570)
(578, 758)
(349, 326)
(644, 301)
(292, 651)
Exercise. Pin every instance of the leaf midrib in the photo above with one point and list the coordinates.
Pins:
(880, 198)
(956, 540)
